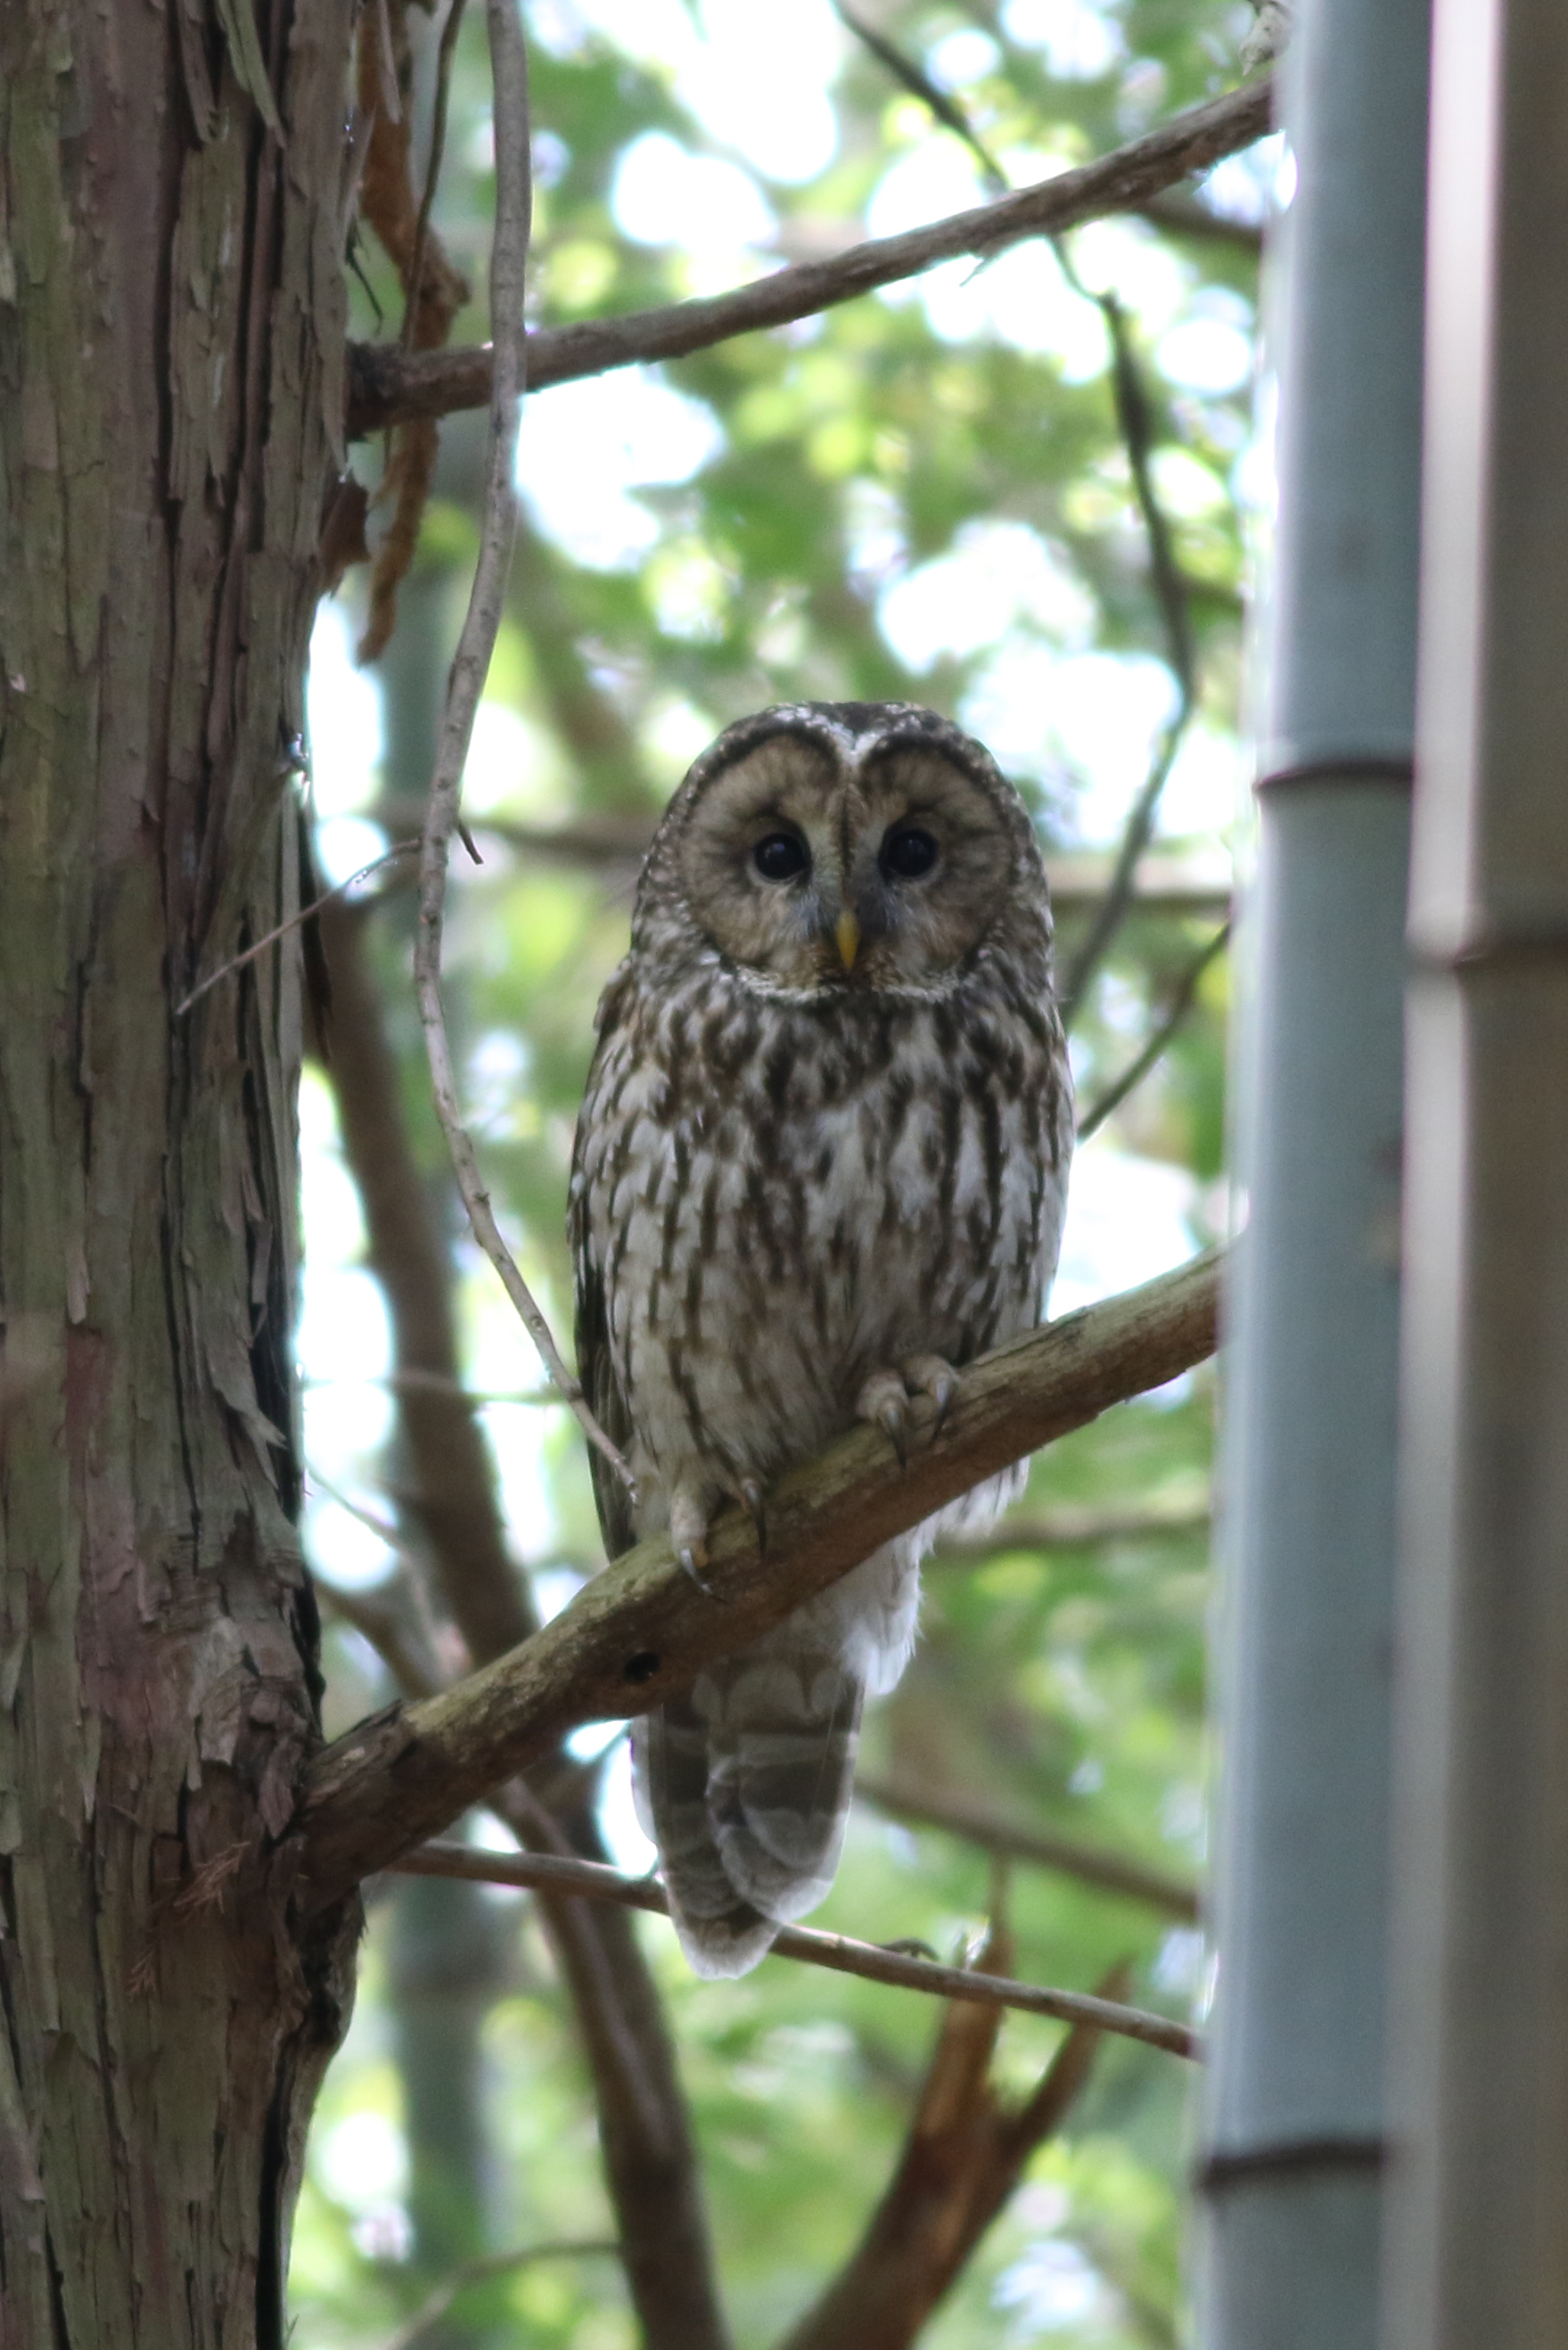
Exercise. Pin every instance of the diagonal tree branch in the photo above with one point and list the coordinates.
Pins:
(387, 384)
(642, 1631)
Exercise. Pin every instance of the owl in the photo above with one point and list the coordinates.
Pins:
(821, 1164)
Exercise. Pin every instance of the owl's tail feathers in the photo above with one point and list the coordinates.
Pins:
(745, 1787)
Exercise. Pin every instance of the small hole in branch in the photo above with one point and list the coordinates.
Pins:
(640, 1668)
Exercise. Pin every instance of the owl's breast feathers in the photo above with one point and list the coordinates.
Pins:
(773, 1197)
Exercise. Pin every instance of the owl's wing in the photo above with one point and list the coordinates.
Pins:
(605, 1401)
(596, 1362)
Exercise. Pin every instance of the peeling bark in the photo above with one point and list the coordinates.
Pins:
(170, 396)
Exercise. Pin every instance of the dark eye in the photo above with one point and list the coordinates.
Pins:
(908, 856)
(780, 857)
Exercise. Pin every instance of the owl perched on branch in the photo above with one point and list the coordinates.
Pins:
(821, 1165)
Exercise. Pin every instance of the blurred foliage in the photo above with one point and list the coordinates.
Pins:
(829, 469)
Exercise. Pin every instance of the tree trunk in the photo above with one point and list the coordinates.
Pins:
(171, 403)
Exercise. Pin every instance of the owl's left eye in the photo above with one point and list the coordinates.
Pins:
(780, 857)
(908, 856)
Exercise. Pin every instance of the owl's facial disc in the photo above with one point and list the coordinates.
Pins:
(815, 878)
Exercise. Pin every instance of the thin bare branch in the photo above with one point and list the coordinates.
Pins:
(327, 898)
(918, 83)
(1180, 1004)
(642, 1631)
(447, 1466)
(387, 384)
(649, 2157)
(434, 2306)
(1111, 1871)
(1136, 417)
(838, 1952)
(470, 666)
(445, 54)
(1136, 421)
(962, 2159)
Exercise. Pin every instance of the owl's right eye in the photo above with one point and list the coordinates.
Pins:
(780, 857)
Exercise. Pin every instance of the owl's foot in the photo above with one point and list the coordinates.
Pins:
(884, 1401)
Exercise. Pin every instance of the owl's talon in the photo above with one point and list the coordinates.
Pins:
(751, 1495)
(884, 1401)
(693, 1558)
(928, 1375)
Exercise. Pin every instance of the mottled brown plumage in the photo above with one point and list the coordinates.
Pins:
(822, 1156)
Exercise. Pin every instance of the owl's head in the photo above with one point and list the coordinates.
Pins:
(843, 847)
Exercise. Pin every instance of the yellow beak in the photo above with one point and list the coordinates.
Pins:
(846, 932)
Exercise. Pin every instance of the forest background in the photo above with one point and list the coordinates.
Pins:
(1025, 493)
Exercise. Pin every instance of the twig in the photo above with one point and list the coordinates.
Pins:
(338, 888)
(470, 665)
(918, 83)
(453, 1496)
(1180, 1004)
(642, 1631)
(838, 1952)
(478, 2272)
(962, 2157)
(449, 33)
(1136, 421)
(1093, 1865)
(1171, 594)
(387, 384)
